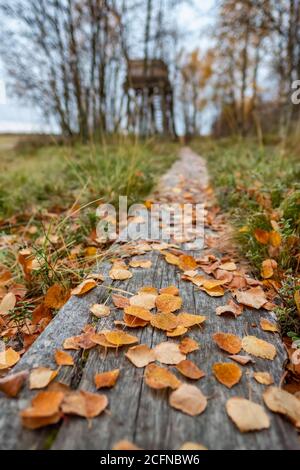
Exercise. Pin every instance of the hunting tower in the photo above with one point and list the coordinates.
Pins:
(150, 98)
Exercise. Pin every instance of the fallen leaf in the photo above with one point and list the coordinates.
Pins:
(227, 373)
(168, 303)
(99, 338)
(138, 312)
(140, 355)
(85, 404)
(267, 268)
(187, 263)
(190, 370)
(170, 290)
(37, 423)
(107, 379)
(144, 299)
(100, 310)
(178, 331)
(192, 446)
(133, 322)
(266, 325)
(172, 259)
(145, 264)
(282, 402)
(228, 266)
(84, 287)
(263, 378)
(262, 236)
(159, 377)
(12, 384)
(243, 360)
(8, 358)
(41, 377)
(148, 290)
(188, 319)
(258, 347)
(247, 415)
(168, 353)
(63, 359)
(188, 345)
(164, 321)
(56, 297)
(297, 300)
(120, 338)
(44, 410)
(228, 342)
(119, 273)
(231, 307)
(83, 341)
(125, 445)
(7, 303)
(254, 297)
(188, 399)
(275, 239)
(120, 301)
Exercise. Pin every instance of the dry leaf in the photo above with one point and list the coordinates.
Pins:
(12, 384)
(227, 373)
(258, 347)
(172, 259)
(188, 399)
(190, 370)
(143, 263)
(7, 303)
(44, 410)
(164, 321)
(262, 236)
(275, 239)
(268, 267)
(148, 290)
(263, 378)
(41, 377)
(168, 303)
(84, 287)
(168, 353)
(228, 342)
(63, 359)
(99, 338)
(119, 273)
(246, 415)
(217, 291)
(120, 338)
(100, 310)
(125, 445)
(254, 297)
(178, 331)
(107, 379)
(171, 290)
(56, 297)
(282, 402)
(159, 377)
(231, 307)
(192, 446)
(132, 322)
(243, 360)
(85, 404)
(144, 299)
(187, 263)
(83, 341)
(140, 355)
(228, 266)
(138, 312)
(8, 358)
(188, 345)
(266, 325)
(188, 319)
(120, 301)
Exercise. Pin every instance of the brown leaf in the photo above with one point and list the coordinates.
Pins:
(262, 236)
(100, 310)
(119, 273)
(228, 342)
(168, 353)
(85, 404)
(247, 415)
(133, 322)
(187, 263)
(84, 287)
(159, 377)
(231, 307)
(138, 312)
(56, 296)
(44, 410)
(227, 373)
(143, 263)
(41, 377)
(164, 321)
(63, 359)
(258, 347)
(12, 384)
(275, 239)
(263, 378)
(243, 360)
(188, 345)
(7, 303)
(140, 355)
(190, 370)
(284, 403)
(254, 297)
(178, 331)
(266, 325)
(268, 267)
(120, 301)
(8, 358)
(168, 303)
(228, 266)
(188, 399)
(107, 379)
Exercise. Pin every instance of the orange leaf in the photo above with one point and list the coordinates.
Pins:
(12, 384)
(63, 359)
(267, 325)
(8, 303)
(275, 239)
(228, 374)
(188, 345)
(85, 404)
(262, 236)
(190, 370)
(41, 377)
(100, 310)
(187, 263)
(228, 342)
(138, 312)
(158, 377)
(188, 399)
(168, 353)
(263, 378)
(188, 319)
(107, 379)
(258, 347)
(56, 297)
(140, 355)
(171, 290)
(84, 287)
(120, 338)
(164, 321)
(120, 301)
(8, 358)
(254, 297)
(168, 303)
(280, 401)
(268, 268)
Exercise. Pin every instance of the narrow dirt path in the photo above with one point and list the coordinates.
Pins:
(207, 278)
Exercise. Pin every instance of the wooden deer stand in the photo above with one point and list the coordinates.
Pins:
(150, 98)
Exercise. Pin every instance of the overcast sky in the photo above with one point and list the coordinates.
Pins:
(15, 117)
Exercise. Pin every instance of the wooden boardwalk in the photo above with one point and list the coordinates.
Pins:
(136, 412)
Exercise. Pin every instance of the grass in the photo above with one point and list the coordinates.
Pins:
(48, 200)
(259, 187)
